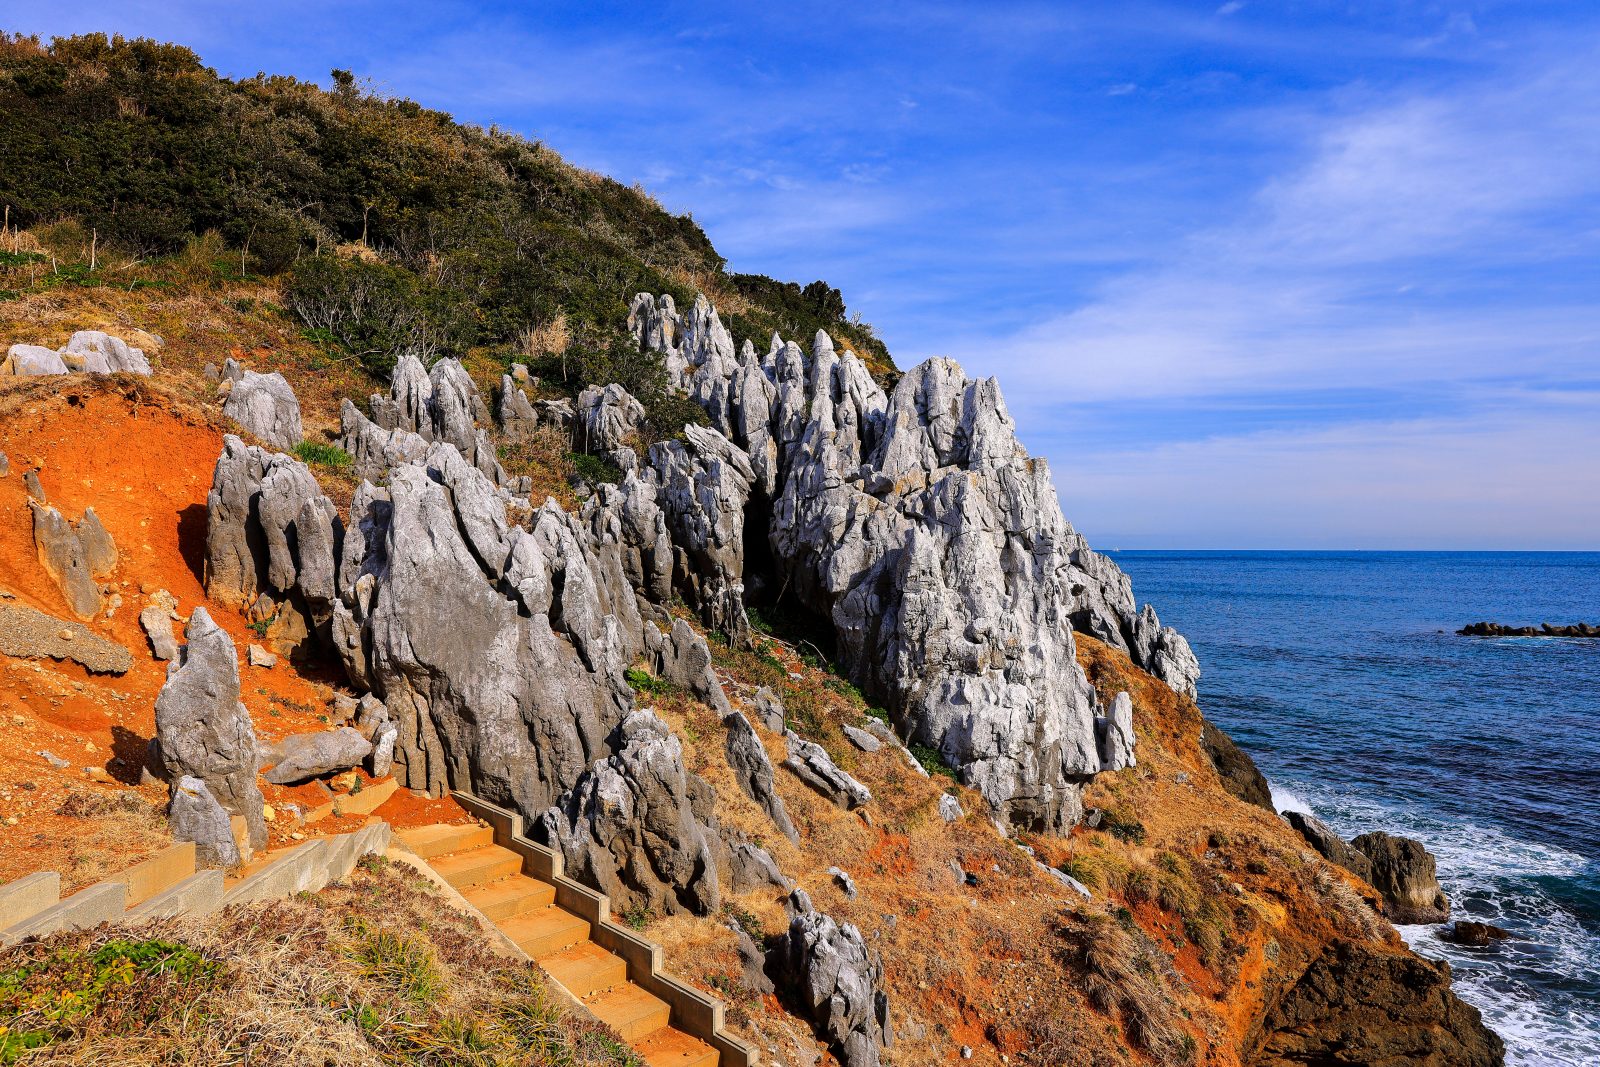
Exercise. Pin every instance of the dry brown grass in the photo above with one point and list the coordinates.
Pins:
(376, 971)
(108, 832)
(544, 339)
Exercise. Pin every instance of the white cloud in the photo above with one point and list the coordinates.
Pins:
(1506, 478)
(1232, 7)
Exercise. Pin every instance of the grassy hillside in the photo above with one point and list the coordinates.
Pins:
(385, 225)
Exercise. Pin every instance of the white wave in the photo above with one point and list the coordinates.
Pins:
(1491, 876)
(1284, 799)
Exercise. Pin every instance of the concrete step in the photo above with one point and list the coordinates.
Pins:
(27, 896)
(630, 1011)
(546, 931)
(585, 968)
(197, 895)
(158, 873)
(474, 866)
(99, 903)
(441, 838)
(674, 1048)
(509, 897)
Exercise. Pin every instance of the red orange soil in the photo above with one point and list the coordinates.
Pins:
(143, 461)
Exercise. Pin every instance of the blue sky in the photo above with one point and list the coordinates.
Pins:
(1252, 274)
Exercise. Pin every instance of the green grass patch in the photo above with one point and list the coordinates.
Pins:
(331, 457)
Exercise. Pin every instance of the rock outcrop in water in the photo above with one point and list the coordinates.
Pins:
(1402, 870)
(1495, 629)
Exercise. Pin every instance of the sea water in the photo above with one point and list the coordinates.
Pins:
(1342, 675)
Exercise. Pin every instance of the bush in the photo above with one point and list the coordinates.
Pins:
(372, 310)
(594, 469)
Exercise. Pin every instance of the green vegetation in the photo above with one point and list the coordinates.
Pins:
(320, 455)
(136, 981)
(932, 761)
(388, 227)
(643, 681)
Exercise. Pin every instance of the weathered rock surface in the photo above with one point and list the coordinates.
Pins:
(265, 405)
(272, 539)
(304, 756)
(88, 352)
(193, 814)
(748, 758)
(950, 808)
(703, 489)
(683, 658)
(1114, 734)
(74, 555)
(607, 418)
(1357, 1005)
(918, 526)
(752, 867)
(203, 731)
(26, 361)
(159, 629)
(638, 826)
(811, 763)
(1473, 934)
(442, 405)
(1329, 845)
(1403, 872)
(861, 739)
(94, 352)
(29, 634)
(1239, 773)
(839, 982)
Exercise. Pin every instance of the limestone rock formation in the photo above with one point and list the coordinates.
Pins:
(1114, 734)
(703, 489)
(607, 418)
(638, 826)
(301, 757)
(74, 555)
(839, 982)
(917, 525)
(1403, 872)
(193, 814)
(88, 352)
(811, 763)
(682, 658)
(272, 538)
(1328, 844)
(158, 628)
(750, 764)
(203, 731)
(95, 352)
(265, 405)
(26, 361)
(438, 405)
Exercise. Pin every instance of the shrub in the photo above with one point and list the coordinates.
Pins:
(374, 311)
(594, 469)
(643, 681)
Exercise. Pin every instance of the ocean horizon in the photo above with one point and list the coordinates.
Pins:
(1342, 675)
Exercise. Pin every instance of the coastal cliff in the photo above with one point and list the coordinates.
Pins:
(793, 655)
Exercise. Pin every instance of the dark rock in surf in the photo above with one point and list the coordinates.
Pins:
(1404, 873)
(1239, 773)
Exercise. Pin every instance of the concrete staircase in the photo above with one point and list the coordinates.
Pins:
(493, 879)
(168, 885)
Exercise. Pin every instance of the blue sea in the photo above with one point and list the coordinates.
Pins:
(1341, 673)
